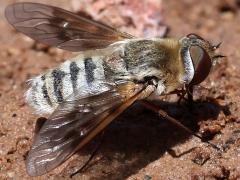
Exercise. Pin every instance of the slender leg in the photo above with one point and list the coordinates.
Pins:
(91, 157)
(181, 97)
(183, 92)
(190, 95)
(165, 116)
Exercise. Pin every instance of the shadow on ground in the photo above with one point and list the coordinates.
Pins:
(139, 137)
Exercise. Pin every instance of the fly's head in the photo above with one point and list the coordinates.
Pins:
(202, 54)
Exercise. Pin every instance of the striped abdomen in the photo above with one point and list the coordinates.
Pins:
(50, 89)
(130, 60)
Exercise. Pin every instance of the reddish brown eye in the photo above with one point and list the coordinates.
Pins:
(202, 64)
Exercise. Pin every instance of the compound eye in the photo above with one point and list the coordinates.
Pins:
(202, 64)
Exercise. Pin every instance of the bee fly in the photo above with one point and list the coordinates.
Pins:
(114, 69)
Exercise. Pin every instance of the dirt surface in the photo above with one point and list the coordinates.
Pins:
(138, 145)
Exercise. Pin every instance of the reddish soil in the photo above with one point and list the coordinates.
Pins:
(138, 145)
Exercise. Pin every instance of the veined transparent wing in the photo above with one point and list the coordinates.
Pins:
(75, 122)
(61, 28)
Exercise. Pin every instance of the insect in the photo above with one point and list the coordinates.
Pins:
(113, 70)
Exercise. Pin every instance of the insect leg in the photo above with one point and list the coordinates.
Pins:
(181, 95)
(190, 95)
(98, 146)
(164, 115)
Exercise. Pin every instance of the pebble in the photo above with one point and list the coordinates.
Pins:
(11, 174)
(199, 156)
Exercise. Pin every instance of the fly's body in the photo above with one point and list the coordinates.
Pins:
(84, 94)
(48, 90)
(131, 60)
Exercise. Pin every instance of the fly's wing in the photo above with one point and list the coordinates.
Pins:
(75, 122)
(60, 28)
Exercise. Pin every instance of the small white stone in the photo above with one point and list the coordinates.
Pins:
(11, 174)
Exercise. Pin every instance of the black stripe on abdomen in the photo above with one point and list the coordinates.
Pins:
(45, 92)
(74, 70)
(89, 70)
(57, 84)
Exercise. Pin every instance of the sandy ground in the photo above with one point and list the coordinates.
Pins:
(138, 145)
